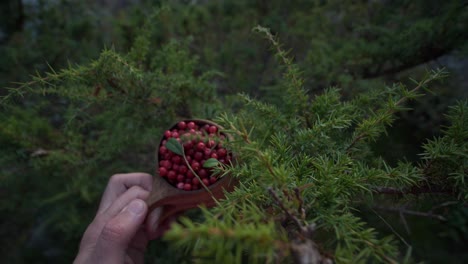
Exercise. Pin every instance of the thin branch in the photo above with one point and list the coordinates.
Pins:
(300, 208)
(414, 190)
(283, 207)
(411, 212)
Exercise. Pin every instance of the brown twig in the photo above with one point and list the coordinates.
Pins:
(283, 207)
(411, 212)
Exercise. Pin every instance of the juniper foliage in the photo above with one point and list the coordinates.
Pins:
(311, 185)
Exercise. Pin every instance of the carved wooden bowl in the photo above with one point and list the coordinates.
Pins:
(174, 201)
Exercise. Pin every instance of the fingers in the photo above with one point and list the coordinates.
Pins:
(120, 183)
(102, 217)
(119, 231)
(135, 192)
(137, 247)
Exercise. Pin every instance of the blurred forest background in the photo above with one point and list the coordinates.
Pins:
(51, 178)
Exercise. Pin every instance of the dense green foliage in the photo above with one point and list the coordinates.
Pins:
(304, 124)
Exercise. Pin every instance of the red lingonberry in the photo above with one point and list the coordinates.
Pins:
(188, 145)
(211, 143)
(167, 133)
(214, 155)
(167, 164)
(171, 175)
(162, 171)
(175, 134)
(180, 185)
(188, 187)
(175, 167)
(207, 153)
(191, 125)
(183, 169)
(212, 129)
(202, 173)
(168, 155)
(198, 156)
(222, 152)
(206, 181)
(213, 180)
(195, 165)
(195, 181)
(163, 150)
(182, 125)
(189, 174)
(190, 152)
(176, 159)
(180, 178)
(201, 146)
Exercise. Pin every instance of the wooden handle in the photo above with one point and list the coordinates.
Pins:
(174, 201)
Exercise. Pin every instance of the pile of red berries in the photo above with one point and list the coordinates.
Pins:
(201, 141)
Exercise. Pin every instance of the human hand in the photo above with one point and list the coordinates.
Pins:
(116, 234)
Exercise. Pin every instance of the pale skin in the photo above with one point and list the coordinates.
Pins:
(119, 233)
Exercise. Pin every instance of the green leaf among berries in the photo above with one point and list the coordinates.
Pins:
(175, 146)
(210, 163)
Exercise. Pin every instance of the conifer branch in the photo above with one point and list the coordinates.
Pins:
(432, 75)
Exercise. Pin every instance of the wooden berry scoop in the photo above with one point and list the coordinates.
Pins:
(174, 201)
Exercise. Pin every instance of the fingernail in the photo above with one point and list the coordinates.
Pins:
(136, 207)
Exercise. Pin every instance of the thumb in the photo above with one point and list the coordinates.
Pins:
(117, 234)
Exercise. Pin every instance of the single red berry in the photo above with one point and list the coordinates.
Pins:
(167, 133)
(201, 146)
(190, 152)
(202, 173)
(214, 155)
(180, 185)
(175, 134)
(198, 156)
(176, 159)
(189, 159)
(180, 178)
(188, 187)
(162, 149)
(211, 143)
(192, 131)
(175, 167)
(162, 171)
(212, 129)
(207, 153)
(182, 125)
(168, 155)
(191, 125)
(171, 175)
(188, 145)
(195, 181)
(213, 180)
(206, 182)
(189, 174)
(222, 152)
(167, 164)
(195, 165)
(183, 169)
